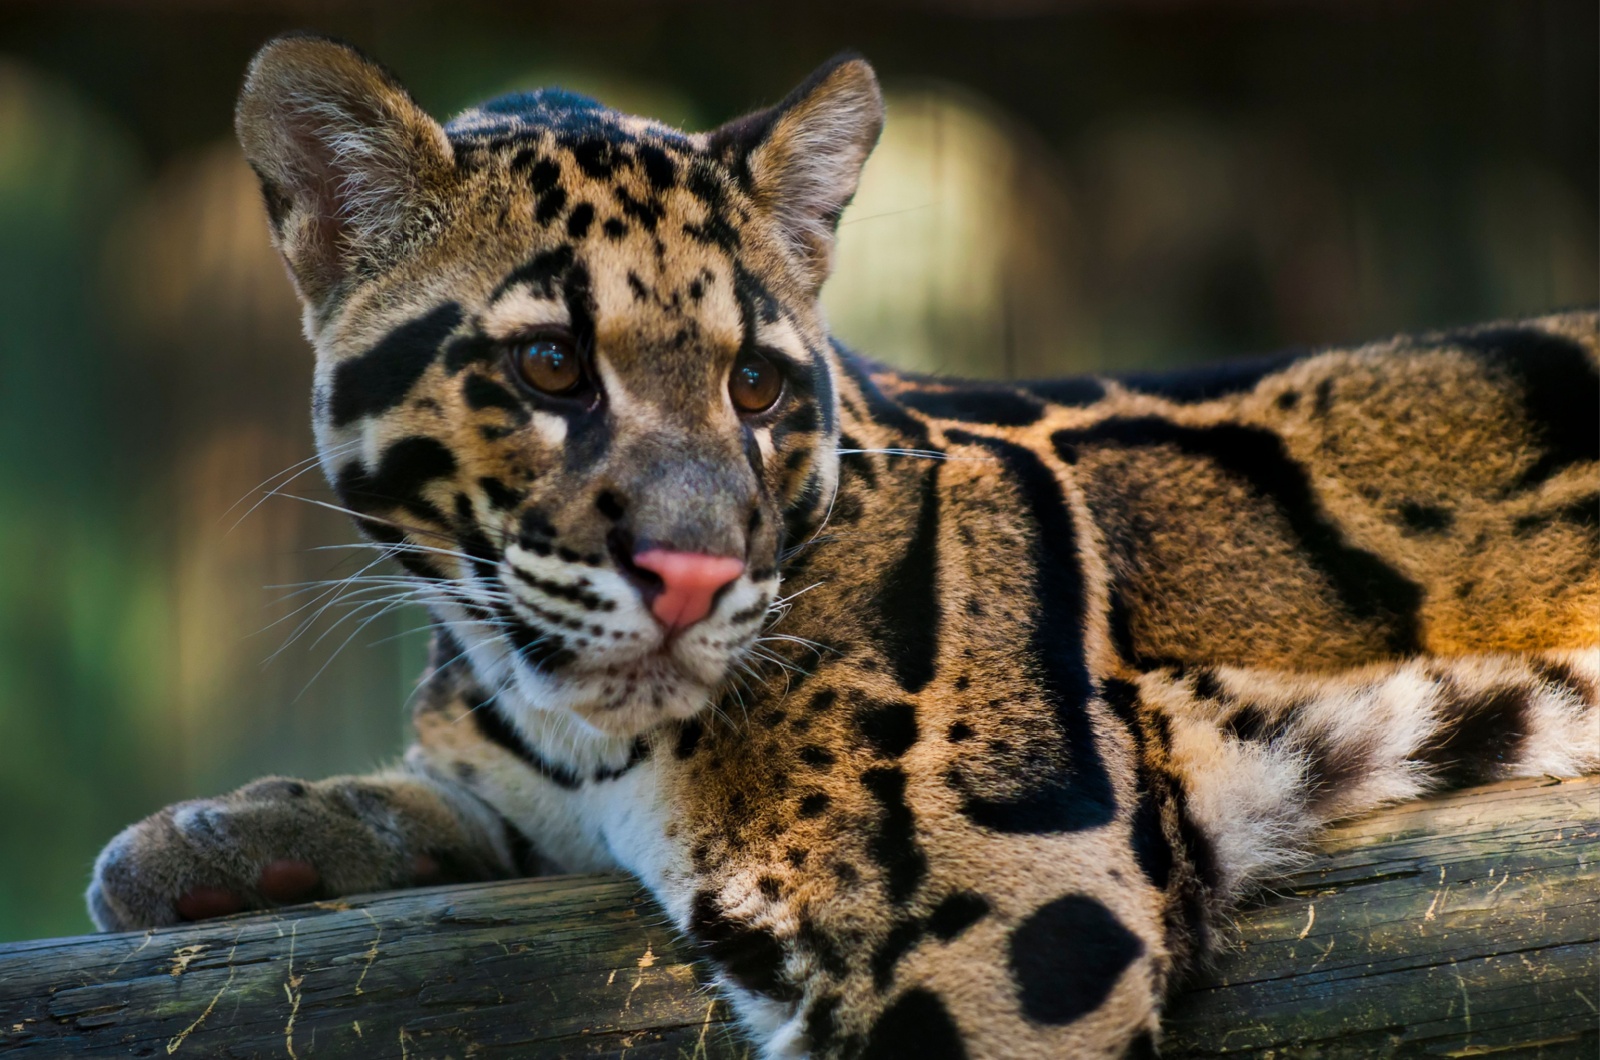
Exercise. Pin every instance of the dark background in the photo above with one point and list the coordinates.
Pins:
(1062, 188)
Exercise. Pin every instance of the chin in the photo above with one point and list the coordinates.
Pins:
(628, 699)
(637, 712)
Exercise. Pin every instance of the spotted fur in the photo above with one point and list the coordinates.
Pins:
(1023, 684)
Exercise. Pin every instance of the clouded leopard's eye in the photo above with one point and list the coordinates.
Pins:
(755, 384)
(550, 363)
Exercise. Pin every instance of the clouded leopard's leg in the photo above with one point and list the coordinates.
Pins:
(276, 841)
(1266, 758)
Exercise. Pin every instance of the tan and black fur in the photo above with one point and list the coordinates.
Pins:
(1022, 685)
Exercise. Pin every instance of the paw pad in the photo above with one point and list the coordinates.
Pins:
(289, 880)
(201, 903)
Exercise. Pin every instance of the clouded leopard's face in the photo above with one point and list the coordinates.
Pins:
(570, 367)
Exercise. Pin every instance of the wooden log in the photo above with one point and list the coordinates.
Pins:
(1467, 925)
(1464, 925)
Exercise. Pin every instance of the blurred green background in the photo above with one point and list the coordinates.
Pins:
(1063, 187)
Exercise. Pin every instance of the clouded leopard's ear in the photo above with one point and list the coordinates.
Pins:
(803, 157)
(353, 171)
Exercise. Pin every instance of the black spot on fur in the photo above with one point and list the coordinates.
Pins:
(541, 273)
(1150, 846)
(750, 957)
(1426, 518)
(1074, 393)
(614, 228)
(1196, 844)
(493, 726)
(1563, 677)
(482, 392)
(960, 731)
(820, 1027)
(1583, 512)
(647, 214)
(536, 530)
(542, 648)
(1561, 393)
(1141, 1048)
(466, 350)
(1477, 733)
(1072, 792)
(1121, 627)
(900, 940)
(579, 220)
(823, 699)
(801, 419)
(1189, 386)
(658, 167)
(542, 175)
(1206, 685)
(550, 205)
(596, 157)
(1368, 587)
(1147, 831)
(814, 804)
(499, 494)
(403, 470)
(379, 379)
(638, 752)
(975, 403)
(1067, 957)
(957, 913)
(889, 728)
(718, 229)
(885, 413)
(1332, 766)
(916, 1025)
(859, 464)
(906, 607)
(893, 843)
(1256, 724)
(1323, 403)
(1288, 400)
(571, 592)
(816, 757)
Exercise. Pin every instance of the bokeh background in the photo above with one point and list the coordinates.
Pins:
(1063, 187)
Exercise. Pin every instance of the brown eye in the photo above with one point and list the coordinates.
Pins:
(755, 383)
(549, 364)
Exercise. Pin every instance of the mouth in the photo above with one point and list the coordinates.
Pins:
(625, 685)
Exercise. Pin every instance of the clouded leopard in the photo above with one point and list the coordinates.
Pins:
(947, 718)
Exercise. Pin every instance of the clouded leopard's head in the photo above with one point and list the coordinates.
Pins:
(570, 365)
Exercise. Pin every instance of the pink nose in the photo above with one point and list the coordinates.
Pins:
(688, 582)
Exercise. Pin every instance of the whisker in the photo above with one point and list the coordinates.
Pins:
(786, 600)
(337, 651)
(362, 517)
(812, 645)
(888, 213)
(396, 547)
(293, 471)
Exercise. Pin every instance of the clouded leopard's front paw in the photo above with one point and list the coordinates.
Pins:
(279, 841)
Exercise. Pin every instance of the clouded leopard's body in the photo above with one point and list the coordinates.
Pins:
(948, 718)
